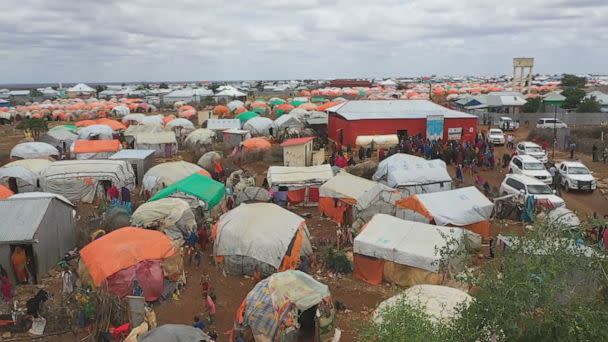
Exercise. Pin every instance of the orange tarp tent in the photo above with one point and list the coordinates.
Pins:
(124, 248)
(5, 192)
(96, 146)
(256, 143)
(115, 125)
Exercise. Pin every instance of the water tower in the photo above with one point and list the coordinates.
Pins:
(522, 73)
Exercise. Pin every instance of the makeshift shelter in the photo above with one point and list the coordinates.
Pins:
(287, 122)
(95, 149)
(301, 183)
(62, 139)
(133, 130)
(346, 198)
(300, 152)
(34, 150)
(83, 180)
(463, 207)
(163, 143)
(41, 229)
(175, 333)
(244, 116)
(223, 124)
(198, 190)
(96, 132)
(402, 252)
(200, 140)
(440, 303)
(171, 216)
(138, 254)
(26, 173)
(208, 160)
(234, 137)
(133, 119)
(259, 126)
(260, 234)
(5, 192)
(140, 160)
(165, 174)
(288, 305)
(413, 175)
(255, 145)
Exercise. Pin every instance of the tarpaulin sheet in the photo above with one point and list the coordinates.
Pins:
(149, 275)
(401, 170)
(368, 269)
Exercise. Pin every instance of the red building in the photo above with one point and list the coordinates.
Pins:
(351, 119)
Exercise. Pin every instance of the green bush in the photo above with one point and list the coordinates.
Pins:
(337, 261)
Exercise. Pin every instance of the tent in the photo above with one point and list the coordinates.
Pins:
(133, 118)
(256, 145)
(244, 116)
(199, 140)
(195, 189)
(175, 333)
(98, 132)
(413, 175)
(165, 174)
(163, 143)
(207, 161)
(118, 258)
(287, 305)
(463, 207)
(260, 234)
(440, 303)
(234, 137)
(95, 149)
(402, 252)
(33, 150)
(345, 194)
(62, 139)
(171, 216)
(26, 172)
(301, 183)
(82, 180)
(5, 192)
(133, 130)
(259, 126)
(140, 160)
(286, 122)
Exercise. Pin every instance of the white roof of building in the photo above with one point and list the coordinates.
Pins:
(21, 218)
(599, 96)
(132, 154)
(166, 137)
(81, 87)
(554, 96)
(292, 175)
(231, 93)
(393, 109)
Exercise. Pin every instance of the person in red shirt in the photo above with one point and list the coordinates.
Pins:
(203, 239)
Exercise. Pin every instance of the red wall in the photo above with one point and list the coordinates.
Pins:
(354, 128)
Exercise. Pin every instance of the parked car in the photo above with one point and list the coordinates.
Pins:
(521, 185)
(576, 176)
(507, 124)
(531, 167)
(550, 123)
(496, 136)
(531, 149)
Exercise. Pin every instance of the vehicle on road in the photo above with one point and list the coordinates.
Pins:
(496, 136)
(531, 167)
(523, 186)
(575, 175)
(550, 123)
(507, 124)
(531, 149)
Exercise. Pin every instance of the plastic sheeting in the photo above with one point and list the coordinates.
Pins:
(165, 174)
(149, 275)
(405, 242)
(201, 136)
(58, 137)
(172, 216)
(259, 126)
(404, 170)
(180, 122)
(102, 132)
(289, 175)
(33, 150)
(345, 185)
(26, 179)
(207, 160)
(287, 121)
(175, 333)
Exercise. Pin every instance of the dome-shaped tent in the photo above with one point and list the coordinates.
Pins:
(171, 216)
(165, 174)
(34, 150)
(259, 126)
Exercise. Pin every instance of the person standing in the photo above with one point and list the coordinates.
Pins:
(210, 306)
(594, 153)
(572, 149)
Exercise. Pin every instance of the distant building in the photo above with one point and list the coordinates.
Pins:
(187, 95)
(80, 90)
(507, 102)
(553, 99)
(344, 83)
(299, 152)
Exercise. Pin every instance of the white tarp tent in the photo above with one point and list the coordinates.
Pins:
(345, 185)
(60, 138)
(165, 174)
(299, 176)
(33, 150)
(81, 180)
(172, 216)
(26, 172)
(258, 126)
(163, 143)
(133, 117)
(120, 111)
(180, 123)
(199, 137)
(413, 174)
(286, 121)
(100, 132)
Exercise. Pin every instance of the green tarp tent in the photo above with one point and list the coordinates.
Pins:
(202, 187)
(71, 128)
(296, 103)
(276, 102)
(318, 99)
(260, 110)
(244, 116)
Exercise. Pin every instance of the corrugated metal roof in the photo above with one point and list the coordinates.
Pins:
(393, 109)
(21, 218)
(132, 154)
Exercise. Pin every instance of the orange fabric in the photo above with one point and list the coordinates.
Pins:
(221, 110)
(327, 105)
(256, 143)
(19, 259)
(327, 207)
(96, 146)
(204, 173)
(482, 228)
(5, 192)
(368, 269)
(414, 204)
(296, 196)
(85, 123)
(290, 261)
(124, 248)
(115, 125)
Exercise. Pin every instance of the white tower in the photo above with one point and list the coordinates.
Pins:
(522, 73)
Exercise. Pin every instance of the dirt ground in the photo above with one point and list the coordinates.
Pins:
(358, 297)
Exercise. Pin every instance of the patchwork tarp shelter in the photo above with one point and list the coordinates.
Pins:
(301, 183)
(287, 121)
(234, 137)
(171, 216)
(61, 138)
(463, 207)
(402, 252)
(345, 198)
(83, 180)
(413, 175)
(440, 303)
(140, 160)
(96, 132)
(95, 149)
(163, 143)
(199, 140)
(258, 126)
(34, 150)
(147, 256)
(44, 226)
(198, 190)
(260, 234)
(26, 173)
(133, 130)
(165, 174)
(275, 306)
(175, 333)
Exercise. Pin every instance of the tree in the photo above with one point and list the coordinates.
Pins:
(99, 88)
(573, 81)
(532, 105)
(36, 126)
(163, 86)
(35, 93)
(574, 96)
(589, 105)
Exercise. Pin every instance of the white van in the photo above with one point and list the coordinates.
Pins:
(507, 124)
(550, 123)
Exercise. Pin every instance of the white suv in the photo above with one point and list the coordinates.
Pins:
(520, 185)
(496, 136)
(550, 123)
(575, 176)
(531, 167)
(533, 150)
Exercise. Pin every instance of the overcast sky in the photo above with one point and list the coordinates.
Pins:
(135, 40)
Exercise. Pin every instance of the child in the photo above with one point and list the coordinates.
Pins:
(198, 255)
(198, 323)
(210, 306)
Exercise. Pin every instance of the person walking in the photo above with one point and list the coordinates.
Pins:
(594, 151)
(572, 149)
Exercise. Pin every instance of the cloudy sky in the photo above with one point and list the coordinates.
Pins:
(135, 40)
